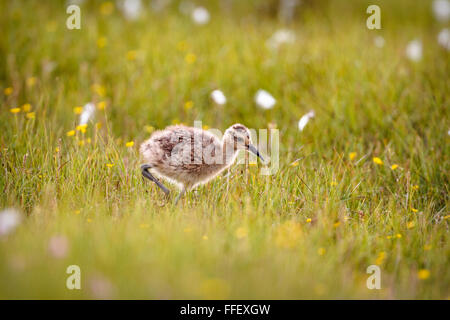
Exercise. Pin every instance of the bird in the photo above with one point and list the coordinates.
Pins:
(190, 156)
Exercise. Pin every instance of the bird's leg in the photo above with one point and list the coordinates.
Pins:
(182, 192)
(148, 175)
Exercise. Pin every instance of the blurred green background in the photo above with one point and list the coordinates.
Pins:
(309, 231)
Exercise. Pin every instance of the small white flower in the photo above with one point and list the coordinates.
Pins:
(305, 119)
(264, 99)
(131, 8)
(279, 37)
(441, 9)
(218, 97)
(414, 50)
(200, 15)
(444, 38)
(379, 42)
(87, 114)
(9, 220)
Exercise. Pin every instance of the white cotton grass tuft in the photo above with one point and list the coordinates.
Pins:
(131, 9)
(280, 37)
(87, 113)
(379, 41)
(441, 10)
(200, 15)
(305, 119)
(414, 50)
(264, 99)
(218, 97)
(9, 220)
(444, 39)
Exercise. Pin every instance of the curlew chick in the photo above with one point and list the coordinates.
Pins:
(190, 156)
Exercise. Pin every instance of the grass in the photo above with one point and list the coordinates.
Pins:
(308, 231)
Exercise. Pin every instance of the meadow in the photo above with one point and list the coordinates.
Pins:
(366, 182)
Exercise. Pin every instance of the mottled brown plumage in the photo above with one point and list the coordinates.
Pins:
(190, 156)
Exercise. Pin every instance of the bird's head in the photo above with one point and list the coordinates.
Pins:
(239, 137)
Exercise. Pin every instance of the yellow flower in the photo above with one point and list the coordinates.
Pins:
(377, 160)
(336, 224)
(8, 91)
(410, 224)
(14, 110)
(182, 46)
(398, 235)
(99, 89)
(110, 165)
(77, 211)
(333, 183)
(295, 163)
(190, 58)
(423, 274)
(131, 55)
(214, 289)
(380, 258)
(188, 105)
(394, 166)
(144, 226)
(82, 128)
(89, 220)
(101, 105)
(389, 237)
(308, 220)
(88, 140)
(352, 155)
(98, 125)
(205, 127)
(321, 251)
(70, 133)
(175, 121)
(241, 232)
(26, 107)
(415, 187)
(446, 217)
(129, 144)
(102, 42)
(288, 234)
(30, 115)
(81, 143)
(149, 129)
(56, 149)
(414, 210)
(78, 110)
(31, 81)
(106, 8)
(427, 247)
(205, 237)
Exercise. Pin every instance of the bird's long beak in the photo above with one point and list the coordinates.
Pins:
(253, 149)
